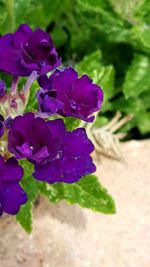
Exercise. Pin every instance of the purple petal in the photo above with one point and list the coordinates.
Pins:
(7, 52)
(50, 172)
(13, 197)
(77, 144)
(43, 81)
(22, 35)
(57, 127)
(2, 88)
(74, 170)
(12, 171)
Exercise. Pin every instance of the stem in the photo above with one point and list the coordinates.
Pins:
(33, 76)
(11, 14)
(14, 84)
(120, 123)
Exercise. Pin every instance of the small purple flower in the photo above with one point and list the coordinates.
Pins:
(25, 51)
(1, 125)
(31, 138)
(2, 88)
(66, 94)
(12, 196)
(72, 161)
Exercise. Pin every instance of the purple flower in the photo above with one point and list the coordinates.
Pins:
(73, 159)
(12, 195)
(66, 94)
(2, 88)
(25, 51)
(1, 125)
(58, 155)
(31, 138)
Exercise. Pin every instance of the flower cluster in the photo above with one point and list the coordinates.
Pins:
(58, 155)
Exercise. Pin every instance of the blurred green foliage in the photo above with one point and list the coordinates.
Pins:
(107, 39)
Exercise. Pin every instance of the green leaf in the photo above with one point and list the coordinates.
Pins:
(24, 217)
(92, 5)
(59, 36)
(137, 77)
(30, 185)
(101, 16)
(100, 7)
(107, 82)
(32, 101)
(50, 191)
(131, 105)
(127, 9)
(145, 36)
(87, 193)
(140, 37)
(138, 107)
(143, 11)
(145, 99)
(71, 123)
(90, 63)
(143, 121)
(100, 121)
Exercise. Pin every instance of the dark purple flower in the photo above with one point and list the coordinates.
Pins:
(12, 195)
(73, 159)
(66, 94)
(1, 125)
(58, 155)
(25, 51)
(2, 88)
(31, 138)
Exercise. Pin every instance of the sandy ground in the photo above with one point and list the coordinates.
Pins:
(68, 236)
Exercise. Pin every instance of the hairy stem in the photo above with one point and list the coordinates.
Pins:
(33, 76)
(14, 84)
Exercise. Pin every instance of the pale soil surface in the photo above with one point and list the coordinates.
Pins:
(68, 236)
